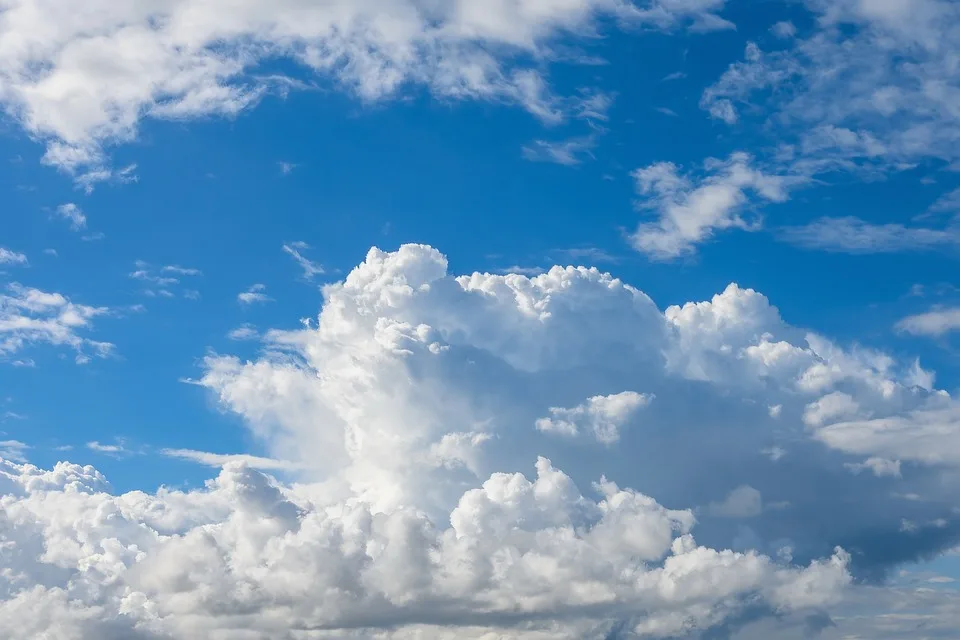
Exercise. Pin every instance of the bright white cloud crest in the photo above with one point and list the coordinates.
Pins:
(406, 414)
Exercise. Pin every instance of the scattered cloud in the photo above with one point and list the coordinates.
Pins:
(878, 79)
(935, 323)
(286, 168)
(192, 64)
(676, 75)
(256, 294)
(310, 269)
(880, 467)
(690, 211)
(15, 258)
(667, 112)
(161, 282)
(31, 316)
(72, 214)
(116, 450)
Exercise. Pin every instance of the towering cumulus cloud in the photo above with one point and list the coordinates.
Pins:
(473, 456)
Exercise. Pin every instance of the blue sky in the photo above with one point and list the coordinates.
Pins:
(196, 190)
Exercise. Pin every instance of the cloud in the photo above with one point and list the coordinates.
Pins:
(414, 383)
(31, 316)
(190, 62)
(784, 30)
(742, 502)
(935, 323)
(880, 467)
(222, 460)
(161, 282)
(117, 450)
(286, 168)
(689, 211)
(72, 214)
(310, 269)
(856, 236)
(244, 332)
(254, 295)
(511, 554)
(873, 87)
(12, 257)
(13, 450)
(568, 152)
(602, 416)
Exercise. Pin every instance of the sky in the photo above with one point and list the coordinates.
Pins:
(536, 319)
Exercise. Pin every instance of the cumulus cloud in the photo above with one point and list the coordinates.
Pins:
(414, 383)
(197, 58)
(31, 316)
(249, 556)
(690, 211)
(404, 422)
(602, 416)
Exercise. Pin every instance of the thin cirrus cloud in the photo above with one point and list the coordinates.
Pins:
(856, 236)
(310, 268)
(190, 63)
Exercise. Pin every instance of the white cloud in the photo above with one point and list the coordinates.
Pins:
(222, 460)
(13, 450)
(255, 294)
(689, 212)
(192, 58)
(882, 75)
(244, 332)
(72, 214)
(565, 152)
(880, 467)
(784, 30)
(602, 416)
(310, 269)
(162, 282)
(31, 316)
(12, 257)
(516, 552)
(853, 235)
(933, 323)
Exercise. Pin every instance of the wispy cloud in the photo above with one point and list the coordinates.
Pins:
(565, 152)
(934, 323)
(256, 294)
(160, 282)
(310, 268)
(220, 459)
(244, 332)
(72, 214)
(853, 235)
